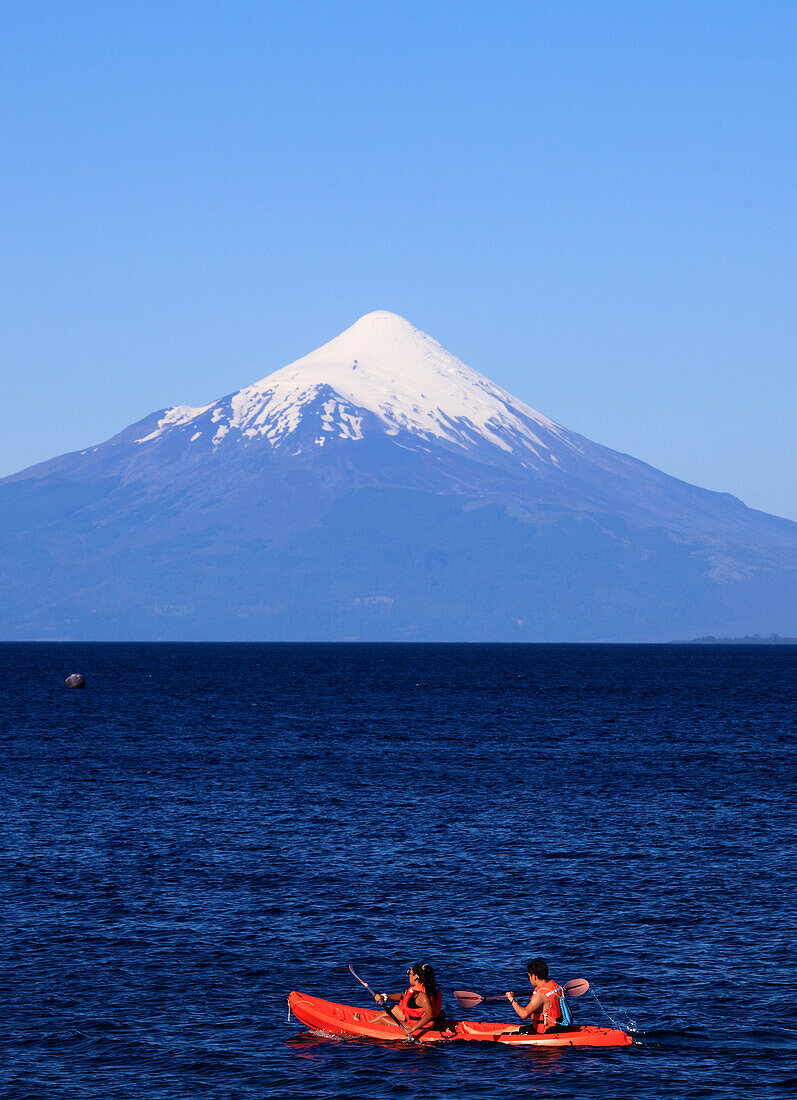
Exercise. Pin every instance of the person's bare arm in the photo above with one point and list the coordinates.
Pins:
(424, 1003)
(536, 1004)
(380, 998)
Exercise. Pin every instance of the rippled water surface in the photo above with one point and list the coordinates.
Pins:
(205, 828)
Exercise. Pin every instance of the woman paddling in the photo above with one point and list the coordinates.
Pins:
(420, 1005)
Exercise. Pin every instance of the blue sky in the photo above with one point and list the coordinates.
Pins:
(591, 203)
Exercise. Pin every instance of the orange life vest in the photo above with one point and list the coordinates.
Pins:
(552, 1010)
(413, 1011)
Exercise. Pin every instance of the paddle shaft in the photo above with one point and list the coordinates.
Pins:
(386, 1006)
(576, 987)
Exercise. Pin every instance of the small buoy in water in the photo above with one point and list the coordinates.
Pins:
(75, 680)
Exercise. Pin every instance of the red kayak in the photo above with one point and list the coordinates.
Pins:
(348, 1021)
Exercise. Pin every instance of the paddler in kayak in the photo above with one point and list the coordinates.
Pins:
(420, 1005)
(547, 1007)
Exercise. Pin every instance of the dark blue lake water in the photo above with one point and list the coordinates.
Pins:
(206, 828)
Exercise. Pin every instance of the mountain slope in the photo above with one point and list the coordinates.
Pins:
(379, 488)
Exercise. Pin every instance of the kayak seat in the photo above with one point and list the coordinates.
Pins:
(554, 1029)
(442, 1023)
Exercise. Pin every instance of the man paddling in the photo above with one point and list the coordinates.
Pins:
(546, 1003)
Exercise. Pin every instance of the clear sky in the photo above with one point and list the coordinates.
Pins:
(591, 203)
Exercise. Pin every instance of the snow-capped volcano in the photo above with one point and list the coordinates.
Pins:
(379, 488)
(380, 367)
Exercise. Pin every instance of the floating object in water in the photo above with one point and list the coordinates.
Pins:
(76, 680)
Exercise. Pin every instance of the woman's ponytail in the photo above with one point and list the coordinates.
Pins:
(428, 981)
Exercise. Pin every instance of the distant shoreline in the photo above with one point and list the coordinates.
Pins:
(708, 639)
(748, 639)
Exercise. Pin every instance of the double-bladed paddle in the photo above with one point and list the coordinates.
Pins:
(386, 1005)
(575, 988)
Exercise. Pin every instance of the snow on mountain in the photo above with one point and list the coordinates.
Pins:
(385, 367)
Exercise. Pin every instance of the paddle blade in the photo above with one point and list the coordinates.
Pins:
(359, 979)
(577, 988)
(466, 999)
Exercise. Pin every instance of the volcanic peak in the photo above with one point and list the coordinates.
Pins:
(381, 365)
